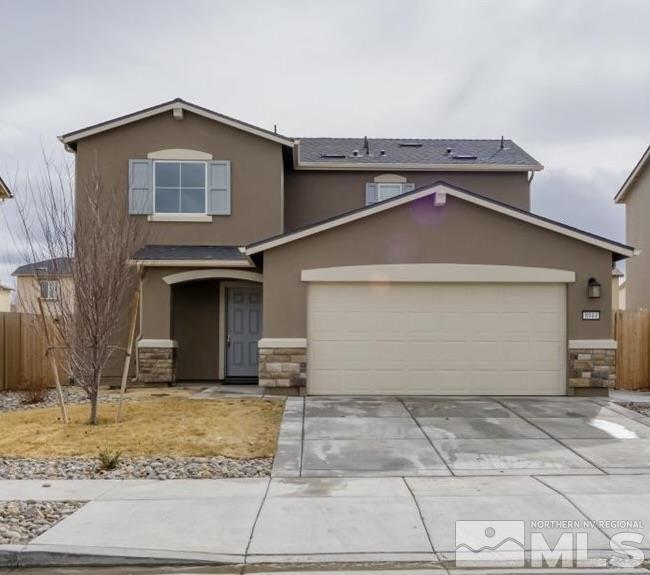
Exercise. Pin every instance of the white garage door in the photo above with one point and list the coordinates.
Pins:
(441, 339)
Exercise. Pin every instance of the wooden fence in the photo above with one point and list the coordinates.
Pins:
(632, 332)
(22, 351)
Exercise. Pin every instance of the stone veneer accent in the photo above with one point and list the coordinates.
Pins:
(283, 367)
(157, 364)
(591, 368)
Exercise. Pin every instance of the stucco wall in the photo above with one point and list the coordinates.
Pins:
(637, 268)
(195, 328)
(5, 300)
(312, 196)
(420, 233)
(256, 182)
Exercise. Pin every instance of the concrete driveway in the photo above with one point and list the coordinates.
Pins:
(437, 436)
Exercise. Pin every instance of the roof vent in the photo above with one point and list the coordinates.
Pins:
(448, 151)
(332, 156)
(410, 144)
(382, 152)
(463, 157)
(355, 152)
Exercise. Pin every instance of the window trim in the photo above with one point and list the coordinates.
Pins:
(190, 215)
(53, 286)
(384, 184)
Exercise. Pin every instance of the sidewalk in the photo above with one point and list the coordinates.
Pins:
(310, 520)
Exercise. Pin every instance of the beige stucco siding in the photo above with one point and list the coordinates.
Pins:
(5, 299)
(637, 268)
(256, 183)
(28, 292)
(312, 196)
(420, 233)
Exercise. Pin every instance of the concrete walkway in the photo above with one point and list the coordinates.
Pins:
(445, 436)
(317, 520)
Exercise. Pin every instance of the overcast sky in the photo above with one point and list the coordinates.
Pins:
(568, 80)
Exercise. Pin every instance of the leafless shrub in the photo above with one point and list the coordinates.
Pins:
(34, 391)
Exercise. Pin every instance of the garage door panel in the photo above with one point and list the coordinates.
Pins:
(447, 339)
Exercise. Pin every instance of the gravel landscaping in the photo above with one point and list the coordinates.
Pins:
(642, 408)
(22, 521)
(135, 468)
(12, 400)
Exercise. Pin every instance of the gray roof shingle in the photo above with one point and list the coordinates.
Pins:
(170, 252)
(56, 266)
(489, 153)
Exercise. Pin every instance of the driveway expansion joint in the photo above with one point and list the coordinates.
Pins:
(557, 440)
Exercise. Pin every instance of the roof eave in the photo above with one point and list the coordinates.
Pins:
(153, 263)
(632, 177)
(419, 167)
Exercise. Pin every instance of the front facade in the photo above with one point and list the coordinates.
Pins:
(349, 265)
(635, 195)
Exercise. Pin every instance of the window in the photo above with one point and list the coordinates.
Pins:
(386, 191)
(49, 289)
(179, 187)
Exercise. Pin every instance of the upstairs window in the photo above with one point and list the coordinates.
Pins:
(49, 289)
(180, 187)
(387, 191)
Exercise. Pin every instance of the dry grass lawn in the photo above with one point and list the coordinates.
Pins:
(239, 428)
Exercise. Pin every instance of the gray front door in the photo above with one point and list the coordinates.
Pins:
(243, 330)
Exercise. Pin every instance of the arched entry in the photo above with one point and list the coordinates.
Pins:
(216, 322)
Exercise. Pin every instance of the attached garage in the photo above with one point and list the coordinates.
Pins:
(418, 330)
(438, 292)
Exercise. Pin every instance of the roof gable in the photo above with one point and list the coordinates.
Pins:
(632, 178)
(176, 106)
(440, 190)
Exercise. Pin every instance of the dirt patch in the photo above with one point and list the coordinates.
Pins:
(171, 426)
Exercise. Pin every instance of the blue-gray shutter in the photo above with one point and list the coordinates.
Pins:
(407, 188)
(371, 194)
(140, 187)
(219, 187)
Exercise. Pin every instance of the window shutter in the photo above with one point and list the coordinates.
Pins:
(371, 194)
(140, 187)
(219, 188)
(407, 188)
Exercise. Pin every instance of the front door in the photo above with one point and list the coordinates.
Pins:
(243, 330)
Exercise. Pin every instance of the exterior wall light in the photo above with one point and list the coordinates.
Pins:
(593, 289)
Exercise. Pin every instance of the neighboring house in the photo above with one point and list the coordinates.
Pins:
(5, 192)
(635, 194)
(5, 298)
(350, 265)
(49, 280)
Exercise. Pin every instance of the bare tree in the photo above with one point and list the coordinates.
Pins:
(90, 242)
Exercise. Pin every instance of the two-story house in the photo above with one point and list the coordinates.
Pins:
(635, 194)
(350, 265)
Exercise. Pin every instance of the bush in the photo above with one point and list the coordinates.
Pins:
(34, 391)
(109, 459)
